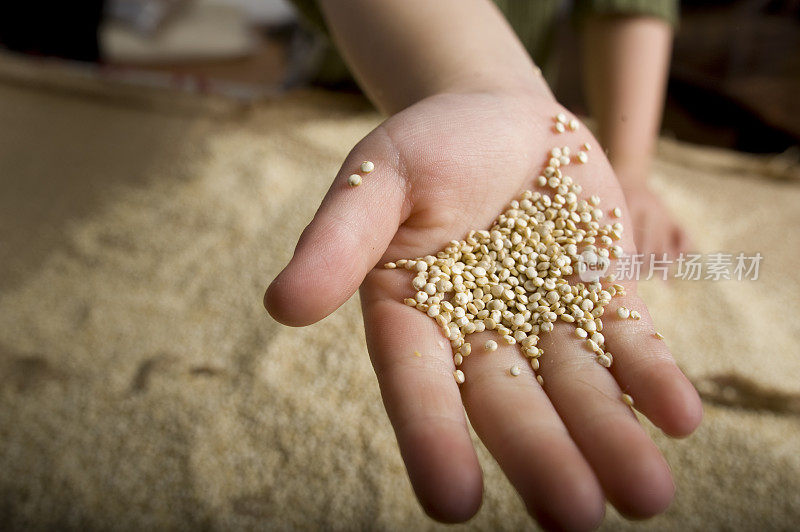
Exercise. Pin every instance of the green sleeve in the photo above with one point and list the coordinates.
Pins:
(331, 70)
(664, 9)
(308, 9)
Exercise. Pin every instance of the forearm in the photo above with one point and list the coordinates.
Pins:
(626, 60)
(402, 51)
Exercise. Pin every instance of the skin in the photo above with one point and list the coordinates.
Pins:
(457, 147)
(626, 61)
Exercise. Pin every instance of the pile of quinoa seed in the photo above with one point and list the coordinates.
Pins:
(513, 277)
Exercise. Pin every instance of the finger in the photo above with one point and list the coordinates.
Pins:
(683, 243)
(645, 370)
(644, 240)
(520, 427)
(346, 238)
(660, 247)
(672, 242)
(634, 475)
(414, 365)
(659, 239)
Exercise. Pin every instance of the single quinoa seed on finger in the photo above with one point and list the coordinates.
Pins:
(367, 167)
(354, 180)
(658, 335)
(627, 399)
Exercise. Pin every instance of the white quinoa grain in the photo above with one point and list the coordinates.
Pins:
(354, 180)
(367, 167)
(515, 371)
(627, 399)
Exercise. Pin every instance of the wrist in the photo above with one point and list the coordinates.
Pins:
(529, 92)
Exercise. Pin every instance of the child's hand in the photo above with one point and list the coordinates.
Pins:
(654, 228)
(444, 166)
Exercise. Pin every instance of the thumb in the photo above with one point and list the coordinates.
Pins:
(347, 237)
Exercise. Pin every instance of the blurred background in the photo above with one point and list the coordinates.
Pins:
(158, 160)
(734, 79)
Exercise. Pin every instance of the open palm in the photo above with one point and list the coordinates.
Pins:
(447, 165)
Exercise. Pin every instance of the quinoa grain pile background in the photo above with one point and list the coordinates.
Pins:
(142, 384)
